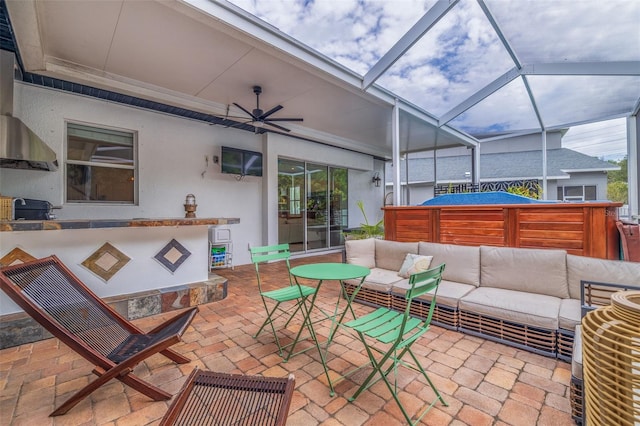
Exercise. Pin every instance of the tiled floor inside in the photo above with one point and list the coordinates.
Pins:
(485, 383)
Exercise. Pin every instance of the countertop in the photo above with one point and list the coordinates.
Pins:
(47, 225)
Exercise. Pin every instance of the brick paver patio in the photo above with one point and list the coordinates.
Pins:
(485, 383)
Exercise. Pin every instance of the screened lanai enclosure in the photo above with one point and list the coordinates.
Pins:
(485, 68)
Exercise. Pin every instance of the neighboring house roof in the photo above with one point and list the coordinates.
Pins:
(502, 166)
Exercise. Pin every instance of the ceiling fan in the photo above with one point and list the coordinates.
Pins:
(259, 117)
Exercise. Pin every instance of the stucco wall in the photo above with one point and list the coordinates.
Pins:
(172, 162)
(142, 273)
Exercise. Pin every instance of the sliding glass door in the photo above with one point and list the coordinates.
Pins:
(338, 205)
(317, 206)
(312, 207)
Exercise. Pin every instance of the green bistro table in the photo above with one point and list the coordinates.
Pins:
(323, 272)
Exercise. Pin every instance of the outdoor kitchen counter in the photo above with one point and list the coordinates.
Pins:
(47, 225)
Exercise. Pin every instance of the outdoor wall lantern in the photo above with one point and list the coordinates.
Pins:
(376, 180)
(190, 206)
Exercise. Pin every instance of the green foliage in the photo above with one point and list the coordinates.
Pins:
(526, 192)
(367, 230)
(617, 187)
(618, 175)
(618, 192)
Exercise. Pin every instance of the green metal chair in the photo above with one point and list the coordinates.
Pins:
(289, 293)
(393, 333)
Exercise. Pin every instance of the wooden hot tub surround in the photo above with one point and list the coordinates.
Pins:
(584, 229)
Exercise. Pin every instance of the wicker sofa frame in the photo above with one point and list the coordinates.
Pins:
(555, 342)
(443, 316)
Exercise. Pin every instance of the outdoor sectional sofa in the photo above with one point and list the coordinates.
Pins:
(529, 298)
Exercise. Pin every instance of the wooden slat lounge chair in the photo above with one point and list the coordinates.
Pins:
(49, 292)
(220, 399)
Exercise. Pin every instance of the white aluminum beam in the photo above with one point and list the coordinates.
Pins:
(534, 104)
(633, 163)
(618, 68)
(476, 165)
(590, 120)
(395, 141)
(481, 94)
(499, 33)
(410, 38)
(545, 196)
(636, 108)
(624, 68)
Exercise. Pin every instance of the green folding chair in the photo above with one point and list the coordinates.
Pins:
(395, 332)
(297, 294)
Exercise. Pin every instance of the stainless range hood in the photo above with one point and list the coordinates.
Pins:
(20, 148)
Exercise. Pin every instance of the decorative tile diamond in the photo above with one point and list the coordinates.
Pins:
(172, 255)
(106, 261)
(16, 256)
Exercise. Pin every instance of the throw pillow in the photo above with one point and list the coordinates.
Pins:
(414, 263)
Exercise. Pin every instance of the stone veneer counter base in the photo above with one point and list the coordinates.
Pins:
(19, 328)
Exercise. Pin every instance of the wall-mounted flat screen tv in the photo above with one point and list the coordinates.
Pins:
(241, 162)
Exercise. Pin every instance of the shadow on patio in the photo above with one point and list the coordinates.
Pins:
(485, 383)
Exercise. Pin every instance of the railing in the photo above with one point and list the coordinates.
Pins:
(624, 213)
(462, 188)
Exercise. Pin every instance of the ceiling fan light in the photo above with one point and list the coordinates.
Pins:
(257, 123)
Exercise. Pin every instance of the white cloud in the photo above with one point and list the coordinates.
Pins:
(571, 30)
(604, 139)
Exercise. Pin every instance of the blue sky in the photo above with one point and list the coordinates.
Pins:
(462, 53)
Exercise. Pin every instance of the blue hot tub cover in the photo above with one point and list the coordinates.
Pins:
(473, 198)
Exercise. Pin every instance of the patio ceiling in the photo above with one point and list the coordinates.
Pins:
(205, 55)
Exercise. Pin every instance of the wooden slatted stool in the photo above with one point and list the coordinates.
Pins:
(210, 398)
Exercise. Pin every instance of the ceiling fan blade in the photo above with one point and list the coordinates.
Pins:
(237, 124)
(248, 113)
(276, 126)
(284, 119)
(271, 111)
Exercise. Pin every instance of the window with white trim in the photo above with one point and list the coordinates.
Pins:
(100, 165)
(577, 193)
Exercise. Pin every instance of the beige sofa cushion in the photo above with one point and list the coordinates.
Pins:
(535, 310)
(361, 252)
(570, 314)
(462, 262)
(536, 271)
(449, 292)
(600, 270)
(379, 279)
(576, 360)
(391, 254)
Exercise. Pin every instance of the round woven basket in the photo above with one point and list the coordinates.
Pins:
(611, 361)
